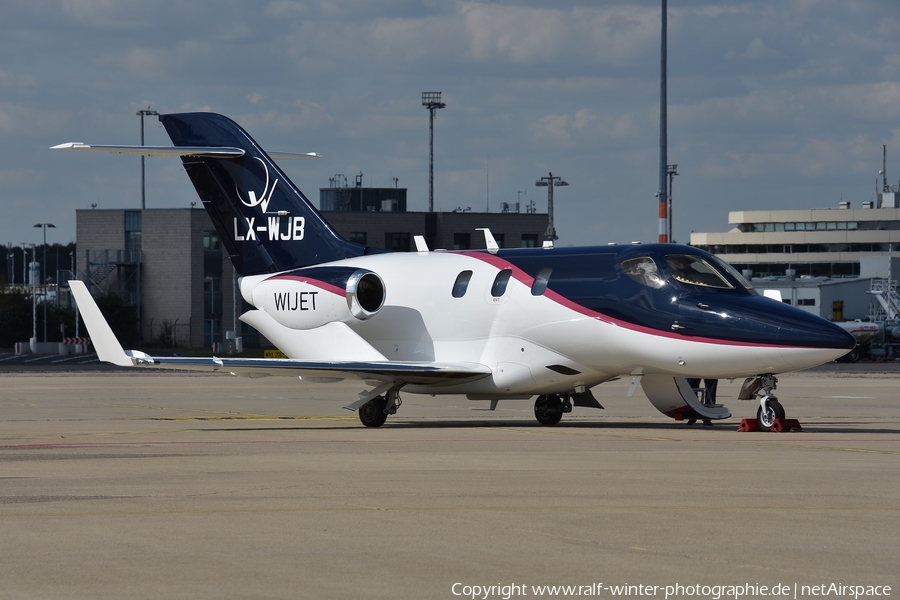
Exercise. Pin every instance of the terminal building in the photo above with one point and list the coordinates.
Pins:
(827, 261)
(170, 266)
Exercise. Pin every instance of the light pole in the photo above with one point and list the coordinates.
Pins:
(44, 259)
(671, 171)
(550, 182)
(663, 135)
(431, 101)
(144, 113)
(25, 272)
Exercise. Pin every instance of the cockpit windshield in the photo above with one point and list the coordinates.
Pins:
(644, 271)
(694, 270)
(734, 273)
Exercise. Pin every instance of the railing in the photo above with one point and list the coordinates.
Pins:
(888, 301)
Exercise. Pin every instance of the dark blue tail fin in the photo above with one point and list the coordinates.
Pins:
(265, 223)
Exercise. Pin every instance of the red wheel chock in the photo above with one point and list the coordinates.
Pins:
(779, 425)
(786, 425)
(749, 425)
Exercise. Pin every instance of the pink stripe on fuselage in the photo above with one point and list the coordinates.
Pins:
(313, 282)
(523, 277)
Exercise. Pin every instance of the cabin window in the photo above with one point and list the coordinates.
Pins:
(693, 270)
(500, 281)
(540, 282)
(644, 271)
(461, 284)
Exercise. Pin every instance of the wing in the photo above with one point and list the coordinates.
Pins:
(425, 373)
(204, 151)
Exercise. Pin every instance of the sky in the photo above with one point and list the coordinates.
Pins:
(782, 104)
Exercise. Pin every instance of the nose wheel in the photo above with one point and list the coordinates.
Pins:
(769, 410)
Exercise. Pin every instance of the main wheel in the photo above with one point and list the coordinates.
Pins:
(766, 418)
(371, 414)
(548, 410)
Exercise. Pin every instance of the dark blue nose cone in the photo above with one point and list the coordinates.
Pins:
(800, 329)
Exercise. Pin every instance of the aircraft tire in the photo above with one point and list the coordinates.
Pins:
(371, 414)
(765, 419)
(548, 410)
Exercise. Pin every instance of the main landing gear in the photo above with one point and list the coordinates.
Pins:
(375, 412)
(769, 407)
(549, 409)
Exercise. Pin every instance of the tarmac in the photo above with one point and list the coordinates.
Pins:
(146, 484)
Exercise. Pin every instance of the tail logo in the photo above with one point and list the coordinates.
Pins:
(262, 199)
(288, 229)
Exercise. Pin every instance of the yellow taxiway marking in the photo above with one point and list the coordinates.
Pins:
(249, 418)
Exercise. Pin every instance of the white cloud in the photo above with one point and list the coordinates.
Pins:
(757, 50)
(803, 101)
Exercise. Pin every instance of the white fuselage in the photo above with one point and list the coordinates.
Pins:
(516, 334)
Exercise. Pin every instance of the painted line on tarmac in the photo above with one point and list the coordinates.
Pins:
(247, 418)
(68, 358)
(775, 442)
(414, 509)
(228, 416)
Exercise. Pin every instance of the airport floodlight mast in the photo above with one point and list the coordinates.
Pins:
(42, 279)
(431, 101)
(663, 134)
(671, 171)
(144, 113)
(550, 182)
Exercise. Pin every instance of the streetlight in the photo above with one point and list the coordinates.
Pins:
(144, 113)
(671, 171)
(44, 259)
(431, 101)
(549, 183)
(25, 282)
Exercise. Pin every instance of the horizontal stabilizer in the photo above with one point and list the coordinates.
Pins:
(202, 151)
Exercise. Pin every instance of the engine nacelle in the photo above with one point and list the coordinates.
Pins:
(310, 298)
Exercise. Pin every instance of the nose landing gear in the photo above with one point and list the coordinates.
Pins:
(769, 408)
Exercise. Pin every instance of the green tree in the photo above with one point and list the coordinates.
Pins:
(15, 318)
(122, 317)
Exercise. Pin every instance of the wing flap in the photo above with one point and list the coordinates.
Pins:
(427, 373)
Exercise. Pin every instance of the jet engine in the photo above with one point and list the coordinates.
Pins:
(310, 298)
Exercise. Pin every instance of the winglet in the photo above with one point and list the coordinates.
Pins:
(421, 244)
(489, 240)
(104, 340)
